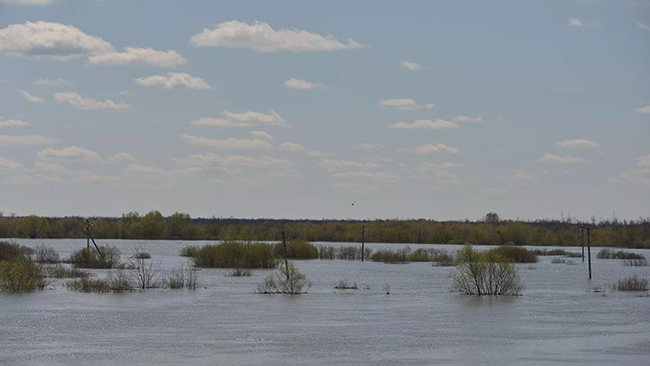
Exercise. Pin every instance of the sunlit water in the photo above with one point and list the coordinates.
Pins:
(557, 320)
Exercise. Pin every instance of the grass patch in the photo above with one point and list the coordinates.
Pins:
(606, 253)
(235, 254)
(515, 254)
(344, 285)
(632, 283)
(84, 258)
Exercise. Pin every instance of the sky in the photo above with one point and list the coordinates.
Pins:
(442, 110)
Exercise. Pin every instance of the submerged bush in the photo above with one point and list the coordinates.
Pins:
(286, 280)
(485, 273)
(632, 283)
(393, 257)
(9, 251)
(635, 262)
(235, 254)
(189, 251)
(109, 258)
(20, 275)
(240, 272)
(115, 282)
(181, 278)
(606, 253)
(61, 271)
(296, 249)
(344, 285)
(45, 254)
(516, 254)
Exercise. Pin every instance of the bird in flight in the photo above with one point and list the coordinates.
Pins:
(352, 203)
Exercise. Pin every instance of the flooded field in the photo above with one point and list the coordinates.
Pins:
(558, 319)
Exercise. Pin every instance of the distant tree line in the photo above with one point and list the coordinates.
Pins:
(489, 231)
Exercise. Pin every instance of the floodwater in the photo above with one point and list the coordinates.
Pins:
(557, 320)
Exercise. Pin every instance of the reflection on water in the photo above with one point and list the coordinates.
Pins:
(558, 319)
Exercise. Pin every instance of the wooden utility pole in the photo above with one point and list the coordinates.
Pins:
(589, 249)
(286, 262)
(363, 241)
(582, 234)
(88, 234)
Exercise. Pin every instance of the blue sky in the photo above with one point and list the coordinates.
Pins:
(294, 109)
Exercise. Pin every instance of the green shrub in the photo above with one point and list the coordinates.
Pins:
(84, 258)
(296, 249)
(115, 282)
(419, 255)
(61, 271)
(632, 283)
(516, 254)
(394, 257)
(485, 273)
(142, 255)
(9, 251)
(234, 254)
(621, 254)
(189, 251)
(20, 275)
(287, 280)
(45, 254)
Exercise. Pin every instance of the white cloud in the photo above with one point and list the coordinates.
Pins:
(245, 119)
(425, 168)
(26, 2)
(51, 168)
(644, 161)
(643, 26)
(577, 144)
(315, 153)
(333, 165)
(556, 159)
(354, 186)
(138, 56)
(411, 65)
(425, 123)
(378, 158)
(8, 164)
(467, 119)
(72, 153)
(53, 40)
(231, 143)
(302, 84)
(147, 170)
(31, 98)
(76, 101)
(261, 135)
(521, 178)
(261, 37)
(121, 157)
(370, 146)
(172, 80)
(575, 22)
(34, 180)
(639, 176)
(13, 123)
(291, 146)
(404, 104)
(374, 176)
(645, 109)
(209, 160)
(430, 149)
(24, 140)
(58, 81)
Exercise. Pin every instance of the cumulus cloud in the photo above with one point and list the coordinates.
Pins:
(76, 101)
(8, 164)
(210, 160)
(638, 176)
(32, 98)
(521, 178)
(556, 159)
(51, 168)
(438, 124)
(261, 135)
(24, 140)
(58, 81)
(645, 109)
(378, 158)
(121, 157)
(34, 180)
(644, 161)
(431, 149)
(404, 104)
(467, 119)
(374, 176)
(147, 170)
(333, 165)
(370, 146)
(643, 26)
(353, 186)
(575, 22)
(577, 144)
(72, 153)
(52, 40)
(291, 146)
(172, 80)
(302, 84)
(231, 143)
(261, 37)
(410, 65)
(138, 56)
(13, 123)
(245, 119)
